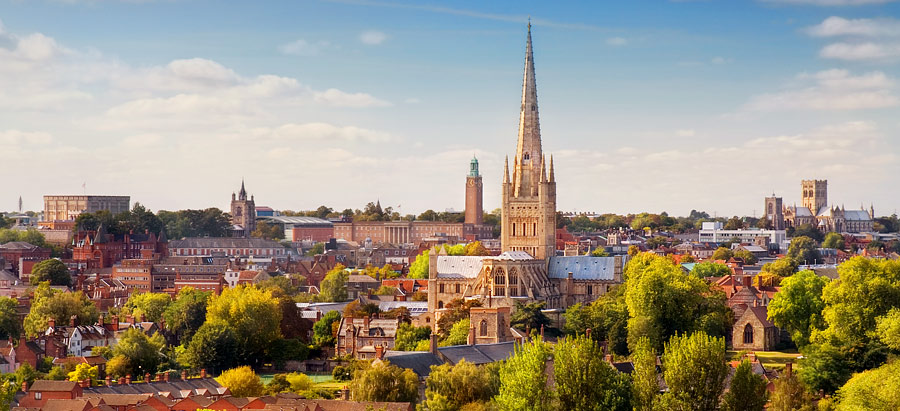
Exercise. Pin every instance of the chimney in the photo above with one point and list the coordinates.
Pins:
(366, 323)
(787, 369)
(121, 380)
(379, 352)
(147, 377)
(542, 332)
(108, 380)
(433, 344)
(101, 321)
(471, 339)
(587, 332)
(345, 394)
(128, 379)
(203, 373)
(115, 323)
(159, 377)
(166, 376)
(748, 281)
(86, 383)
(183, 375)
(24, 386)
(129, 319)
(72, 321)
(143, 318)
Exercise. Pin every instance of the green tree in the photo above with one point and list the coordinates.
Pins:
(877, 390)
(722, 253)
(317, 248)
(748, 390)
(210, 222)
(824, 367)
(790, 395)
(84, 372)
(867, 289)
(782, 267)
(451, 387)
(186, 314)
(599, 252)
(803, 250)
(419, 268)
(144, 353)
(710, 269)
(523, 379)
(476, 248)
(528, 316)
(833, 240)
(585, 381)
(695, 369)
(242, 382)
(734, 223)
(459, 334)
(49, 303)
(807, 230)
(747, 256)
(10, 326)
(51, 270)
(323, 334)
(118, 366)
(213, 347)
(268, 231)
(457, 309)
(253, 314)
(645, 385)
(409, 336)
(386, 290)
(797, 307)
(383, 382)
(888, 329)
(334, 285)
(8, 390)
(150, 305)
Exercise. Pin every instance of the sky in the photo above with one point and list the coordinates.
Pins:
(646, 106)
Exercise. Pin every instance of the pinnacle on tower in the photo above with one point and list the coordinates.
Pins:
(550, 177)
(506, 170)
(242, 195)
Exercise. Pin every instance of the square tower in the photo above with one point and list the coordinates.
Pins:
(774, 213)
(814, 195)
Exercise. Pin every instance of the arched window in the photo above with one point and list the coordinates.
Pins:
(499, 277)
(483, 327)
(440, 304)
(748, 334)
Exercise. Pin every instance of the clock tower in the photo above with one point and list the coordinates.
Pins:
(474, 203)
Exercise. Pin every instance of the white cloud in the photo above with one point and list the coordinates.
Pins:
(338, 98)
(830, 90)
(830, 2)
(861, 51)
(616, 41)
(372, 37)
(839, 26)
(301, 47)
(883, 38)
(288, 133)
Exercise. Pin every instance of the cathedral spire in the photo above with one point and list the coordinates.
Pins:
(242, 195)
(528, 151)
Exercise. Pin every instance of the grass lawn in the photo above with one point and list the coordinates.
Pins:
(316, 378)
(772, 360)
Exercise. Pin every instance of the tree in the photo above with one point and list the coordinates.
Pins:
(866, 290)
(476, 248)
(585, 381)
(710, 269)
(888, 328)
(748, 390)
(824, 367)
(747, 256)
(253, 314)
(409, 336)
(803, 250)
(722, 253)
(599, 252)
(833, 240)
(213, 347)
(150, 305)
(457, 309)
(323, 336)
(51, 270)
(645, 385)
(144, 353)
(790, 395)
(529, 316)
(10, 326)
(186, 314)
(782, 267)
(242, 382)
(386, 290)
(877, 390)
(419, 268)
(118, 366)
(317, 248)
(334, 286)
(451, 387)
(268, 231)
(798, 306)
(695, 369)
(807, 230)
(84, 372)
(8, 390)
(210, 222)
(49, 303)
(384, 382)
(523, 379)
(688, 258)
(734, 223)
(458, 335)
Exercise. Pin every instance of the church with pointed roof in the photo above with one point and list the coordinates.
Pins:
(528, 269)
(243, 213)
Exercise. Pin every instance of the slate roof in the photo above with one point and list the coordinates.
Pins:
(224, 242)
(803, 212)
(419, 362)
(458, 266)
(857, 215)
(514, 255)
(18, 245)
(49, 385)
(178, 388)
(582, 267)
(415, 307)
(479, 353)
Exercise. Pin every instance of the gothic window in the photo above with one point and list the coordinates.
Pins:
(532, 107)
(440, 304)
(771, 209)
(534, 229)
(237, 212)
(748, 334)
(514, 229)
(499, 277)
(484, 328)
(441, 288)
(526, 156)
(590, 290)
(457, 288)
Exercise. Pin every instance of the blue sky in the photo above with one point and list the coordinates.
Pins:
(646, 106)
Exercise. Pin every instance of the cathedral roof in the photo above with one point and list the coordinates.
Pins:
(458, 266)
(857, 215)
(514, 255)
(583, 267)
(803, 212)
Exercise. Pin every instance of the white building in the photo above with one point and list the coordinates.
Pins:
(714, 232)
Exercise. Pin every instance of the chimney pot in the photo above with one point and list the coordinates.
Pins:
(203, 373)
(379, 352)
(147, 377)
(433, 343)
(166, 377)
(128, 379)
(121, 381)
(24, 386)
(184, 374)
(108, 380)
(51, 323)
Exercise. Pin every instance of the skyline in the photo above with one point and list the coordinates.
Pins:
(176, 124)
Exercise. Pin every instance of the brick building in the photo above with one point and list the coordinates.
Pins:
(99, 249)
(227, 247)
(16, 251)
(361, 337)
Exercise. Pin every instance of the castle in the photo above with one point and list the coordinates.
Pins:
(528, 269)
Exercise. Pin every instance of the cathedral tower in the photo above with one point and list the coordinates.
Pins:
(243, 213)
(474, 197)
(815, 195)
(774, 213)
(528, 210)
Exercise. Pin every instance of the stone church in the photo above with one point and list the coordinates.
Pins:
(243, 214)
(528, 269)
(814, 210)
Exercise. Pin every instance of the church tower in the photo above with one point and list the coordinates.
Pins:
(815, 195)
(474, 197)
(528, 210)
(243, 212)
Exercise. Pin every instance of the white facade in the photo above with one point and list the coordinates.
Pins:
(713, 232)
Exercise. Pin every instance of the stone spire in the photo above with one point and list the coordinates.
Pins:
(506, 170)
(550, 177)
(528, 151)
(242, 195)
